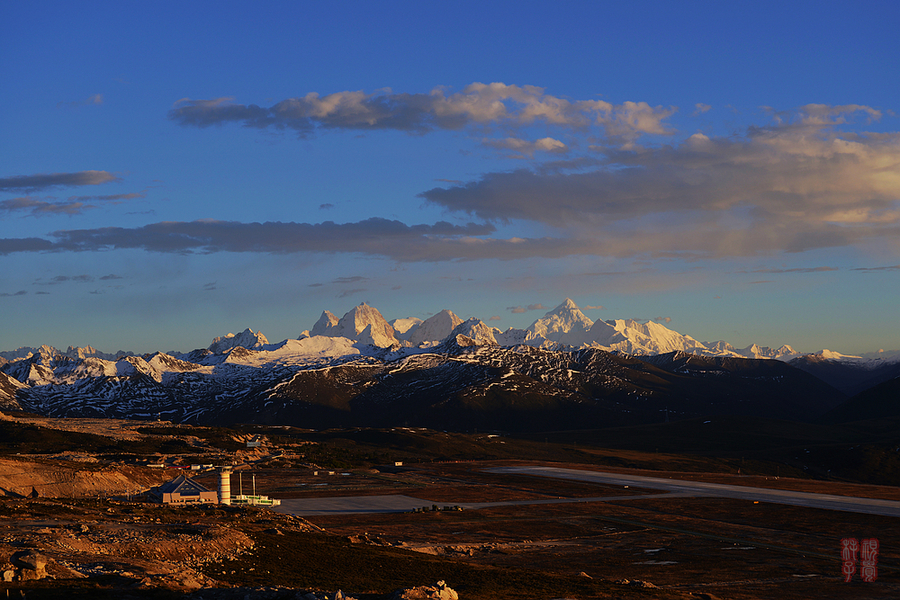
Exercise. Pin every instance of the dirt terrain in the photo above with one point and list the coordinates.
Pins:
(653, 548)
(729, 548)
(93, 542)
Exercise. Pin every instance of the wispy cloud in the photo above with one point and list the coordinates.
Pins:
(888, 268)
(794, 270)
(43, 181)
(526, 148)
(8, 295)
(495, 104)
(353, 292)
(64, 279)
(522, 309)
(74, 205)
(92, 100)
(380, 237)
(109, 197)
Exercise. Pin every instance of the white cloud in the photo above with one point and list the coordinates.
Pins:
(478, 104)
(797, 185)
(526, 148)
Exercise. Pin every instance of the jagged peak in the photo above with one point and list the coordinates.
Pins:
(476, 330)
(564, 321)
(435, 328)
(365, 324)
(567, 304)
(245, 339)
(325, 323)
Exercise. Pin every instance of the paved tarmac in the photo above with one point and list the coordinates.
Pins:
(349, 505)
(306, 507)
(888, 508)
(672, 488)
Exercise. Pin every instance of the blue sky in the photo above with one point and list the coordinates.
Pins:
(171, 172)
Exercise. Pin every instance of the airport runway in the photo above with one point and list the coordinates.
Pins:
(671, 488)
(887, 508)
(307, 507)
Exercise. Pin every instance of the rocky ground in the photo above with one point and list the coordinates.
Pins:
(82, 535)
(102, 548)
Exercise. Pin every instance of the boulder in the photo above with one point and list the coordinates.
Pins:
(425, 592)
(32, 565)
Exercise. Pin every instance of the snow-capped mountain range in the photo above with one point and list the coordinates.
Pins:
(362, 369)
(564, 327)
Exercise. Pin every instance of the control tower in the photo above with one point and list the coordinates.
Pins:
(225, 485)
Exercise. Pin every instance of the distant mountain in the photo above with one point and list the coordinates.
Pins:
(404, 328)
(565, 324)
(563, 328)
(71, 352)
(850, 375)
(475, 330)
(365, 324)
(245, 339)
(567, 327)
(435, 328)
(465, 382)
(324, 325)
(348, 371)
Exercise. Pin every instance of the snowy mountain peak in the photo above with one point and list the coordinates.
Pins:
(325, 323)
(475, 330)
(435, 328)
(564, 320)
(245, 339)
(510, 337)
(85, 352)
(832, 355)
(567, 304)
(404, 328)
(365, 318)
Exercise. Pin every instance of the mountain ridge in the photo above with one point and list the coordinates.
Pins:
(462, 383)
(564, 327)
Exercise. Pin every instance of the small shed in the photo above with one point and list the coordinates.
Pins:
(184, 490)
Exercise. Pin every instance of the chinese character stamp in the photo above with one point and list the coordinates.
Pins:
(863, 551)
